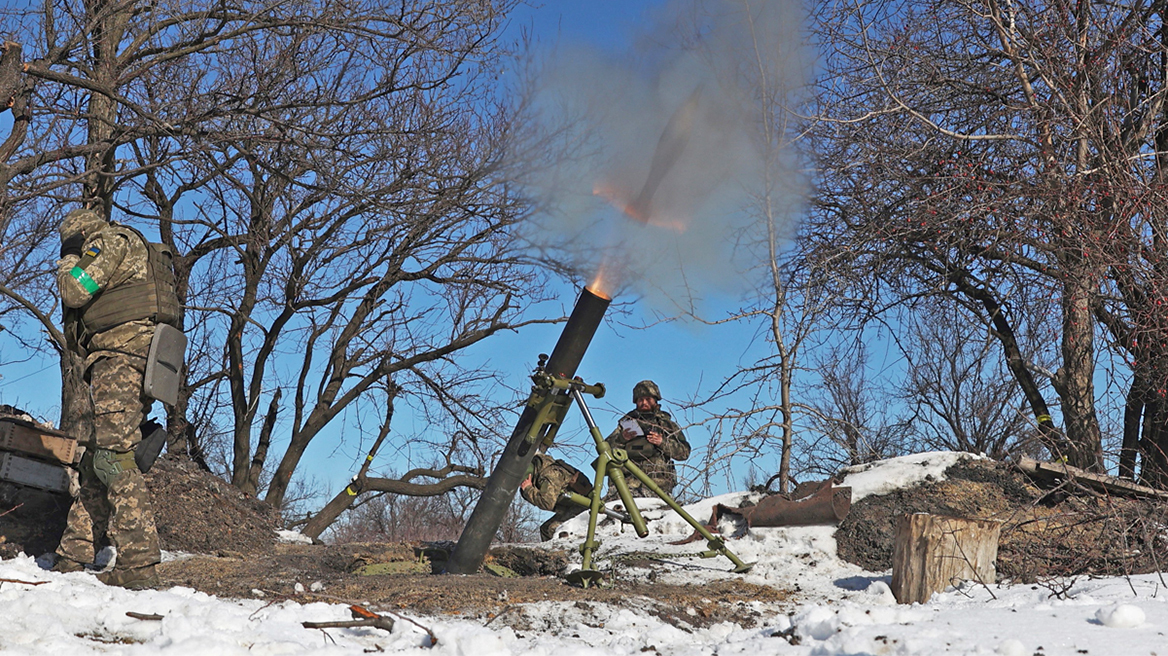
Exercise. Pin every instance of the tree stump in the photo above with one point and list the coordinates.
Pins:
(933, 552)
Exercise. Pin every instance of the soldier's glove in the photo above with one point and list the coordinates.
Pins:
(73, 245)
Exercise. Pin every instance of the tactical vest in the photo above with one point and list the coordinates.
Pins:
(122, 300)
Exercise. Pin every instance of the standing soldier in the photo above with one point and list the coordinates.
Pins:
(546, 480)
(116, 287)
(652, 439)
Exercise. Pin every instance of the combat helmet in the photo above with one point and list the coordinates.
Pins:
(82, 222)
(646, 388)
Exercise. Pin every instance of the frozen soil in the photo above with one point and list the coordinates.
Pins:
(401, 582)
(228, 549)
(1062, 532)
(226, 546)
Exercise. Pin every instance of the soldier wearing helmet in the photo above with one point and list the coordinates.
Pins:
(116, 287)
(651, 438)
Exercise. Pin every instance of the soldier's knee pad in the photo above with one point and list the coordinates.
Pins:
(109, 465)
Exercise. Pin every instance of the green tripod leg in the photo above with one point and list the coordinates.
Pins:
(717, 546)
(612, 463)
(586, 575)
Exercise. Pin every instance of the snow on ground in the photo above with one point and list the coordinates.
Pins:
(840, 609)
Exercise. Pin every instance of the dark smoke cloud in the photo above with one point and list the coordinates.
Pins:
(693, 64)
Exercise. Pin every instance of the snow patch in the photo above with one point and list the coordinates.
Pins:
(292, 537)
(1120, 616)
(884, 476)
(835, 608)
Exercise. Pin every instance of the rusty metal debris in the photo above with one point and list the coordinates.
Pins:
(825, 505)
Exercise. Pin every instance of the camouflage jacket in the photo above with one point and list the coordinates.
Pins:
(549, 479)
(120, 256)
(656, 461)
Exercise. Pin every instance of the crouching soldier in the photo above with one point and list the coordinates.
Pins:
(547, 479)
(116, 288)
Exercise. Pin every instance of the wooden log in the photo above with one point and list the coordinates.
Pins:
(37, 441)
(1057, 471)
(933, 552)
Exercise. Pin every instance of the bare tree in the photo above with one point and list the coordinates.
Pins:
(962, 397)
(975, 150)
(334, 178)
(387, 518)
(762, 68)
(850, 420)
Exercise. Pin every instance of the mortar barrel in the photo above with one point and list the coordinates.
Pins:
(488, 513)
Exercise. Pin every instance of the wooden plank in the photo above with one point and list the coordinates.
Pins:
(933, 552)
(33, 473)
(37, 441)
(1101, 482)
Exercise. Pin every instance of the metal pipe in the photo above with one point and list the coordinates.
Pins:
(488, 513)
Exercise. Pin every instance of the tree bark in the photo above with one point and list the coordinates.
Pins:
(252, 484)
(1074, 381)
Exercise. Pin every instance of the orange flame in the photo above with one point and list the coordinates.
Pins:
(599, 284)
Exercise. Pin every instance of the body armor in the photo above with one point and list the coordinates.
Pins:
(132, 298)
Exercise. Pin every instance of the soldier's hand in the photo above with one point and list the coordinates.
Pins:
(525, 483)
(629, 434)
(655, 438)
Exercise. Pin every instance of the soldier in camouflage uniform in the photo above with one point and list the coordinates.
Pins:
(659, 442)
(546, 480)
(105, 274)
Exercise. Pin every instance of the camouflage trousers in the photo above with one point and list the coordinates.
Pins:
(660, 476)
(122, 512)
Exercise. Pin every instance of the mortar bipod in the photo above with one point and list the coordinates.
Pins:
(613, 464)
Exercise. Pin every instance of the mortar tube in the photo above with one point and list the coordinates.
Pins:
(511, 469)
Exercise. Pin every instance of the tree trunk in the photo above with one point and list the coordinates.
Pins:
(76, 403)
(1003, 330)
(1153, 444)
(1133, 411)
(1074, 381)
(252, 484)
(933, 552)
(345, 498)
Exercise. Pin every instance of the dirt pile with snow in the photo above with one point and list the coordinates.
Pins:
(1046, 533)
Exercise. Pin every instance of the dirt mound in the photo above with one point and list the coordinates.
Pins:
(1062, 532)
(195, 511)
(31, 521)
(391, 577)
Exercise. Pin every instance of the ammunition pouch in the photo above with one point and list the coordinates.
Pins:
(640, 448)
(108, 465)
(164, 364)
(148, 450)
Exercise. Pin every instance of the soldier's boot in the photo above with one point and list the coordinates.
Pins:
(139, 578)
(547, 530)
(67, 565)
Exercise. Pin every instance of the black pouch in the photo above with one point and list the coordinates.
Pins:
(148, 450)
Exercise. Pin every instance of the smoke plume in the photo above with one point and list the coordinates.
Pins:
(662, 153)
